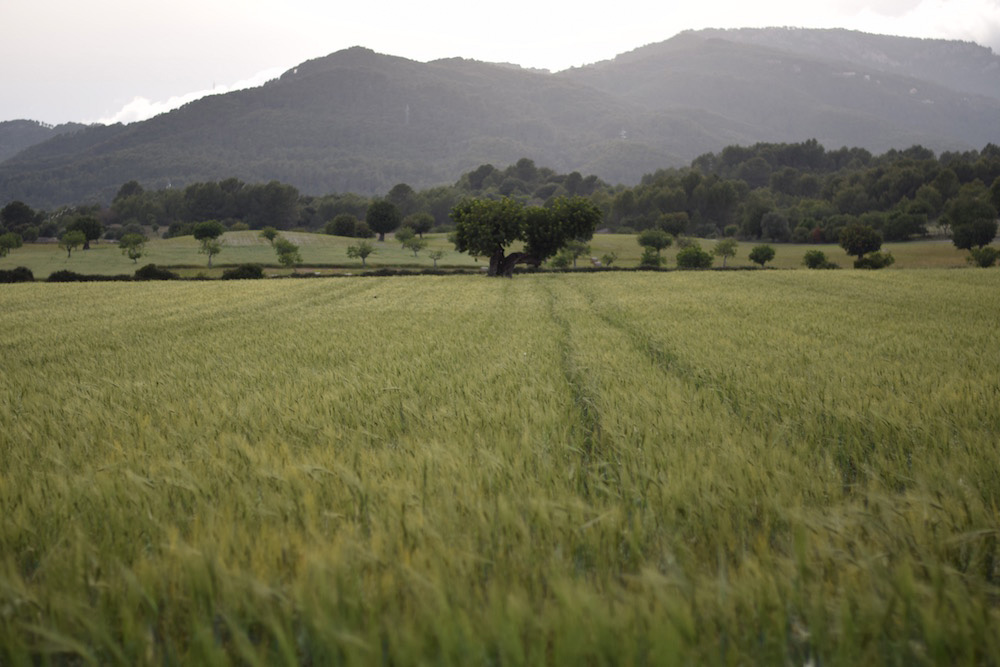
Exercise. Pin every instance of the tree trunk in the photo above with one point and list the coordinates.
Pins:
(503, 266)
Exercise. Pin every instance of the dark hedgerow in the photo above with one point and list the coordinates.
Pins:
(154, 272)
(20, 274)
(66, 276)
(244, 272)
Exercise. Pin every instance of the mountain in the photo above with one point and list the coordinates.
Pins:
(786, 91)
(360, 121)
(16, 135)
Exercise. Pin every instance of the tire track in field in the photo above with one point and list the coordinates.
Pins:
(594, 450)
(663, 357)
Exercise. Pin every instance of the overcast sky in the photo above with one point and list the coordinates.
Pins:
(125, 60)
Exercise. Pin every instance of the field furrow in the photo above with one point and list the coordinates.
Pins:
(659, 468)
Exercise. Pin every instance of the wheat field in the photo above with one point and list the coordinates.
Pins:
(648, 468)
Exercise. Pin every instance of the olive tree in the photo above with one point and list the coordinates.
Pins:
(382, 217)
(208, 234)
(132, 245)
(9, 241)
(488, 227)
(72, 240)
(725, 249)
(858, 240)
(360, 251)
(761, 254)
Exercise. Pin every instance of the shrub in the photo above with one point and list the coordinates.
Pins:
(343, 224)
(983, 257)
(19, 274)
(154, 272)
(876, 260)
(244, 272)
(814, 259)
(363, 231)
(651, 258)
(66, 276)
(693, 257)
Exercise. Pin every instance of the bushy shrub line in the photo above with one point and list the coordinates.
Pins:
(19, 274)
(66, 276)
(244, 272)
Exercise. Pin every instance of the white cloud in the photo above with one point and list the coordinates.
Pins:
(141, 108)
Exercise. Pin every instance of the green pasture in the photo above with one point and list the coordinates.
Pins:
(677, 468)
(328, 254)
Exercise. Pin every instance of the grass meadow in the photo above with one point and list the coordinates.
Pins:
(724, 468)
(328, 254)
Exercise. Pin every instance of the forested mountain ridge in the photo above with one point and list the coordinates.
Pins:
(17, 135)
(962, 66)
(357, 121)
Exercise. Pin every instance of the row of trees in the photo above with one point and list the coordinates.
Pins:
(773, 192)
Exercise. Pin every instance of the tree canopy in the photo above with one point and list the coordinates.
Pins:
(488, 227)
(858, 240)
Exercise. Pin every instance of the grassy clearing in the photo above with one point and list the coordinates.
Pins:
(673, 468)
(331, 251)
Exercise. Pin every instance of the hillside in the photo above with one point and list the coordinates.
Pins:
(17, 135)
(360, 121)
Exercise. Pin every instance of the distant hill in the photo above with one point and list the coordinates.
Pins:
(360, 121)
(16, 135)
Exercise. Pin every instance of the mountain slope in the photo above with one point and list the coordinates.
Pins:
(360, 121)
(17, 135)
(788, 96)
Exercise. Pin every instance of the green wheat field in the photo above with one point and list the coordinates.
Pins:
(722, 468)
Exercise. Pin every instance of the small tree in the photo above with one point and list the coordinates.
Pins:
(651, 258)
(360, 251)
(288, 253)
(9, 241)
(208, 233)
(72, 240)
(608, 258)
(761, 254)
(404, 234)
(725, 249)
(435, 255)
(420, 222)
(415, 245)
(133, 245)
(269, 233)
(575, 250)
(655, 239)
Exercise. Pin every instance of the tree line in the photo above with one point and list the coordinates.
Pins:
(775, 192)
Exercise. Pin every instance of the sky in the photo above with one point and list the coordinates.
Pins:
(127, 60)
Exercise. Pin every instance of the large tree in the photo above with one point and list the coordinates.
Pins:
(858, 240)
(488, 227)
(90, 226)
(382, 217)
